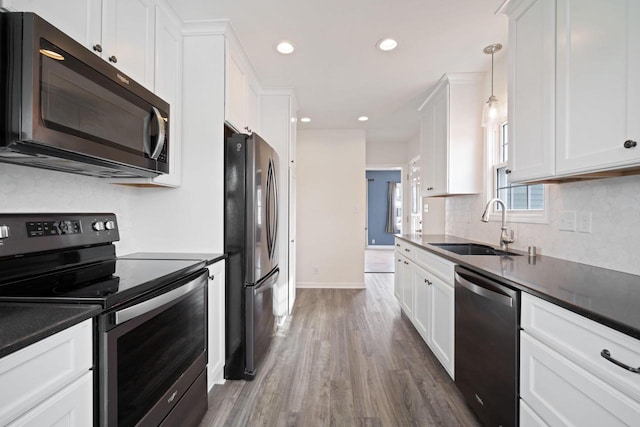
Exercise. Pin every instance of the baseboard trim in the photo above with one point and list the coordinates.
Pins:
(330, 285)
(380, 247)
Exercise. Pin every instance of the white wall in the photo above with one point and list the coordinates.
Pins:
(614, 204)
(25, 189)
(331, 208)
(382, 153)
(191, 218)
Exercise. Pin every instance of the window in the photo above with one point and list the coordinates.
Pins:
(525, 203)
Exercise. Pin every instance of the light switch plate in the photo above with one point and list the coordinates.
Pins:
(584, 222)
(567, 221)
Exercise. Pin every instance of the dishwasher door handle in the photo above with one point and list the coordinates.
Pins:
(484, 292)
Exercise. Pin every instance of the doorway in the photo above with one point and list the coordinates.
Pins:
(384, 218)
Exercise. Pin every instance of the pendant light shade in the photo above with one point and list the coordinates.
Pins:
(493, 110)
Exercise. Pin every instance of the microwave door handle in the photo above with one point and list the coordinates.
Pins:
(161, 135)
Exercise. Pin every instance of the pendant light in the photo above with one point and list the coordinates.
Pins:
(493, 109)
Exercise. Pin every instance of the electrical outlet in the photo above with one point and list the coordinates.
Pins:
(567, 220)
(584, 222)
(315, 270)
(373, 241)
(426, 207)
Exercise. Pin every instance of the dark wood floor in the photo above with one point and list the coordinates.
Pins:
(345, 358)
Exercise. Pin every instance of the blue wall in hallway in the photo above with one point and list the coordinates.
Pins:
(377, 206)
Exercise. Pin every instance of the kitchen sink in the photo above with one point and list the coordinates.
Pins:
(472, 249)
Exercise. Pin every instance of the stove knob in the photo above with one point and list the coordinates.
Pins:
(98, 226)
(4, 231)
(109, 225)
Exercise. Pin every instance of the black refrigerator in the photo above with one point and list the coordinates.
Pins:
(251, 243)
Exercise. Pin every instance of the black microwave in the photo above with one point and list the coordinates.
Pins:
(64, 108)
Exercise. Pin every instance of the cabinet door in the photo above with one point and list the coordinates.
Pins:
(234, 97)
(216, 326)
(531, 90)
(441, 142)
(427, 144)
(80, 19)
(398, 278)
(168, 85)
(407, 288)
(563, 393)
(72, 406)
(422, 290)
(442, 323)
(129, 37)
(598, 85)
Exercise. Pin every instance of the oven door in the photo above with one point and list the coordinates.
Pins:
(151, 353)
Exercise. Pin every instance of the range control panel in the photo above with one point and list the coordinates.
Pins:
(22, 234)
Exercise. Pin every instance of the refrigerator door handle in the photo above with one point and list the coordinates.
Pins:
(268, 283)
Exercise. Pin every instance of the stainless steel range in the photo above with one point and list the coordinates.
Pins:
(151, 335)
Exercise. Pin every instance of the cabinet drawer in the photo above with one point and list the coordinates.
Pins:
(582, 340)
(528, 418)
(30, 375)
(71, 406)
(563, 393)
(406, 249)
(437, 265)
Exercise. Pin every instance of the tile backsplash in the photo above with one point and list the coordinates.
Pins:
(25, 189)
(613, 243)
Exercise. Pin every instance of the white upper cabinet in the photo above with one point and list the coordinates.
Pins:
(120, 31)
(80, 19)
(451, 136)
(574, 89)
(531, 94)
(598, 85)
(128, 37)
(242, 93)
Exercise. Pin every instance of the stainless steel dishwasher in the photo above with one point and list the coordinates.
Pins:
(487, 320)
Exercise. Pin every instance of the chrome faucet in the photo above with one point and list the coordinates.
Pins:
(506, 236)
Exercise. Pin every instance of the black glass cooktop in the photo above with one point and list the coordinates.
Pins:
(109, 283)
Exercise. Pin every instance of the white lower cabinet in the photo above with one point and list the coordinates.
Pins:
(565, 380)
(424, 287)
(528, 418)
(50, 383)
(216, 325)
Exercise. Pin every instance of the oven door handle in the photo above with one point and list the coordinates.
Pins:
(129, 313)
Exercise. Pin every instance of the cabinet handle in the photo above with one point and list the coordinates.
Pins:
(406, 262)
(97, 48)
(630, 143)
(398, 244)
(508, 171)
(429, 188)
(399, 260)
(113, 59)
(607, 355)
(407, 250)
(212, 276)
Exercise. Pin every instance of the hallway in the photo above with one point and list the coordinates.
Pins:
(345, 358)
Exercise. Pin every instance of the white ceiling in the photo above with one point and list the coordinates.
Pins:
(336, 70)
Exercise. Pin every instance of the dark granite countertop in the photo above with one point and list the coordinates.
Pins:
(208, 258)
(22, 324)
(607, 296)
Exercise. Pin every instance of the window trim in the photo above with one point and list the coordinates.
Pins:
(492, 136)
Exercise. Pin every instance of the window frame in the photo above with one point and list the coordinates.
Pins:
(493, 136)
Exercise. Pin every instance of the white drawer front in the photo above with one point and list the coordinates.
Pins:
(70, 407)
(528, 418)
(406, 249)
(582, 340)
(437, 265)
(564, 394)
(32, 374)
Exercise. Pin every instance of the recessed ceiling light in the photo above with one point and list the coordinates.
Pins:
(387, 44)
(305, 120)
(363, 118)
(285, 47)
